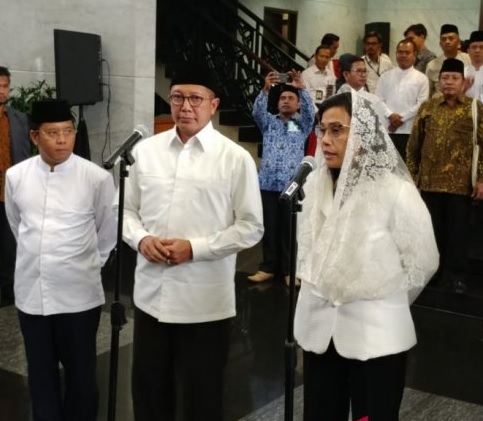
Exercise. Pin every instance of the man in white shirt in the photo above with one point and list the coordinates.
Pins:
(376, 61)
(474, 72)
(192, 203)
(319, 80)
(354, 72)
(59, 207)
(418, 33)
(332, 41)
(403, 90)
(449, 41)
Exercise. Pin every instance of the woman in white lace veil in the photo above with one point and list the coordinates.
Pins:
(366, 249)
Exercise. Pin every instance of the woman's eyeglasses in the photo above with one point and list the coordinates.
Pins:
(334, 130)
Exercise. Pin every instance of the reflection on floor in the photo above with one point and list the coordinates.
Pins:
(447, 360)
(415, 406)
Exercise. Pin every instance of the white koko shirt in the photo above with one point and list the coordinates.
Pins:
(476, 89)
(65, 229)
(205, 191)
(403, 92)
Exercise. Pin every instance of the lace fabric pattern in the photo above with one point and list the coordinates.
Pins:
(374, 236)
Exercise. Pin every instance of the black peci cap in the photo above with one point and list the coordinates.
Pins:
(194, 74)
(50, 111)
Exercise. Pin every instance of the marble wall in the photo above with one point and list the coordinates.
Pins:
(127, 29)
(316, 17)
(431, 13)
(348, 17)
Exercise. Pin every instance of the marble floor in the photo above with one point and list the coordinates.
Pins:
(447, 363)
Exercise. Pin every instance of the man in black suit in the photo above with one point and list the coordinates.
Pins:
(14, 147)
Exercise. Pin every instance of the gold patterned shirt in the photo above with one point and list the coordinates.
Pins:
(440, 147)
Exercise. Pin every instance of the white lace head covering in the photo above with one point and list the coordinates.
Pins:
(373, 236)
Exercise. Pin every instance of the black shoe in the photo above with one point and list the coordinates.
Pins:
(459, 287)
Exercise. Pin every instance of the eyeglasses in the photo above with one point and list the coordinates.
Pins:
(334, 130)
(359, 71)
(194, 100)
(56, 133)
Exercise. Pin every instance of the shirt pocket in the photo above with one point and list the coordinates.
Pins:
(207, 203)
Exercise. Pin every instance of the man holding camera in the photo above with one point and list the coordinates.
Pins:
(284, 137)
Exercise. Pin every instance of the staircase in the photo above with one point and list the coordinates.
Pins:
(233, 42)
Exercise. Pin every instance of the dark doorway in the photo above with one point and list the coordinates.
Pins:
(284, 22)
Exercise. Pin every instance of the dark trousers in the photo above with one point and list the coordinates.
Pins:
(7, 249)
(178, 367)
(70, 339)
(276, 239)
(400, 141)
(371, 388)
(450, 214)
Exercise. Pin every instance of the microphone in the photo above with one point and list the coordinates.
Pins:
(138, 133)
(307, 165)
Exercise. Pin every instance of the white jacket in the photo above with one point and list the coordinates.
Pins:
(366, 328)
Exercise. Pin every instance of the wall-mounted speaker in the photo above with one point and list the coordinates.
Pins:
(78, 70)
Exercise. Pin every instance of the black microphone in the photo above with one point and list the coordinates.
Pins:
(138, 133)
(307, 165)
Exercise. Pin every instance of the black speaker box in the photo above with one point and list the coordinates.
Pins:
(384, 29)
(78, 73)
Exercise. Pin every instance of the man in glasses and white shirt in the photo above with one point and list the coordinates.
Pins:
(354, 72)
(59, 207)
(376, 61)
(192, 203)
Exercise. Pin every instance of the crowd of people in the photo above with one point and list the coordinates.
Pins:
(400, 94)
(386, 211)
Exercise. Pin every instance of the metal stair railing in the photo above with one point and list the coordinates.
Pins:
(238, 52)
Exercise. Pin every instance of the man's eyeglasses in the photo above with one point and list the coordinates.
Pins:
(334, 130)
(194, 100)
(359, 71)
(56, 133)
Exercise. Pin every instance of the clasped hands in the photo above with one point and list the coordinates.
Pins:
(171, 251)
(395, 121)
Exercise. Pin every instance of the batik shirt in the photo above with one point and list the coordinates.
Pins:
(283, 141)
(440, 148)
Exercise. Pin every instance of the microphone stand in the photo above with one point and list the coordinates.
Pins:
(118, 313)
(290, 344)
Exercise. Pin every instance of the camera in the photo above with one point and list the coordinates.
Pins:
(283, 77)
